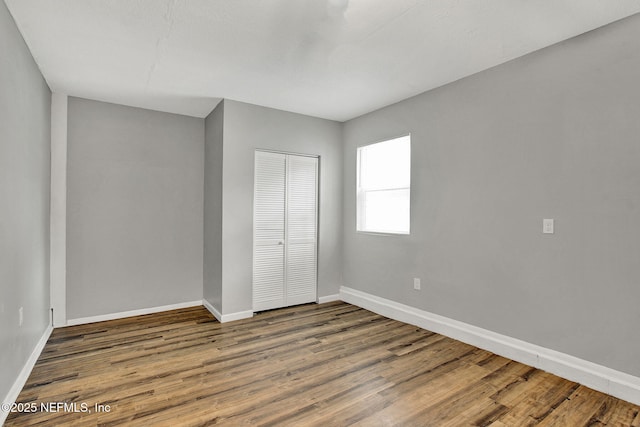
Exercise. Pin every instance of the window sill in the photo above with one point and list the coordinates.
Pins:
(382, 233)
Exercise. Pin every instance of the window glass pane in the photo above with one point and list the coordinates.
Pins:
(384, 186)
(387, 211)
(386, 164)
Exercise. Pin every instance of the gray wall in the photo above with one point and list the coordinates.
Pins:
(213, 151)
(551, 135)
(247, 128)
(134, 208)
(25, 114)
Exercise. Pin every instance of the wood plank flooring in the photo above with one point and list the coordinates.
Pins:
(332, 364)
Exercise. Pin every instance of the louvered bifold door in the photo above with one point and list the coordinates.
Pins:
(269, 231)
(285, 230)
(301, 229)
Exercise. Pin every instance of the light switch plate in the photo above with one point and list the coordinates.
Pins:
(547, 226)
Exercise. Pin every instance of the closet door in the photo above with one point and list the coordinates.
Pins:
(301, 232)
(285, 230)
(269, 231)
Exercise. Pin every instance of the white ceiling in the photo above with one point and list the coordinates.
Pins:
(335, 59)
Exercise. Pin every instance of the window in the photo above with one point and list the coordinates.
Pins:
(384, 186)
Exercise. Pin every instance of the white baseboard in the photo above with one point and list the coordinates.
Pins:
(236, 316)
(19, 383)
(212, 310)
(597, 377)
(123, 314)
(328, 298)
(223, 318)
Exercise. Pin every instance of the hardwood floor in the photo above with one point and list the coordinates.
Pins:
(328, 365)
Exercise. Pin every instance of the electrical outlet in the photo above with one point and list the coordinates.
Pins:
(416, 283)
(21, 315)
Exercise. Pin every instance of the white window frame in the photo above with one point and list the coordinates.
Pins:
(361, 193)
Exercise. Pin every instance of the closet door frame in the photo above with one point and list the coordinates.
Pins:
(286, 237)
